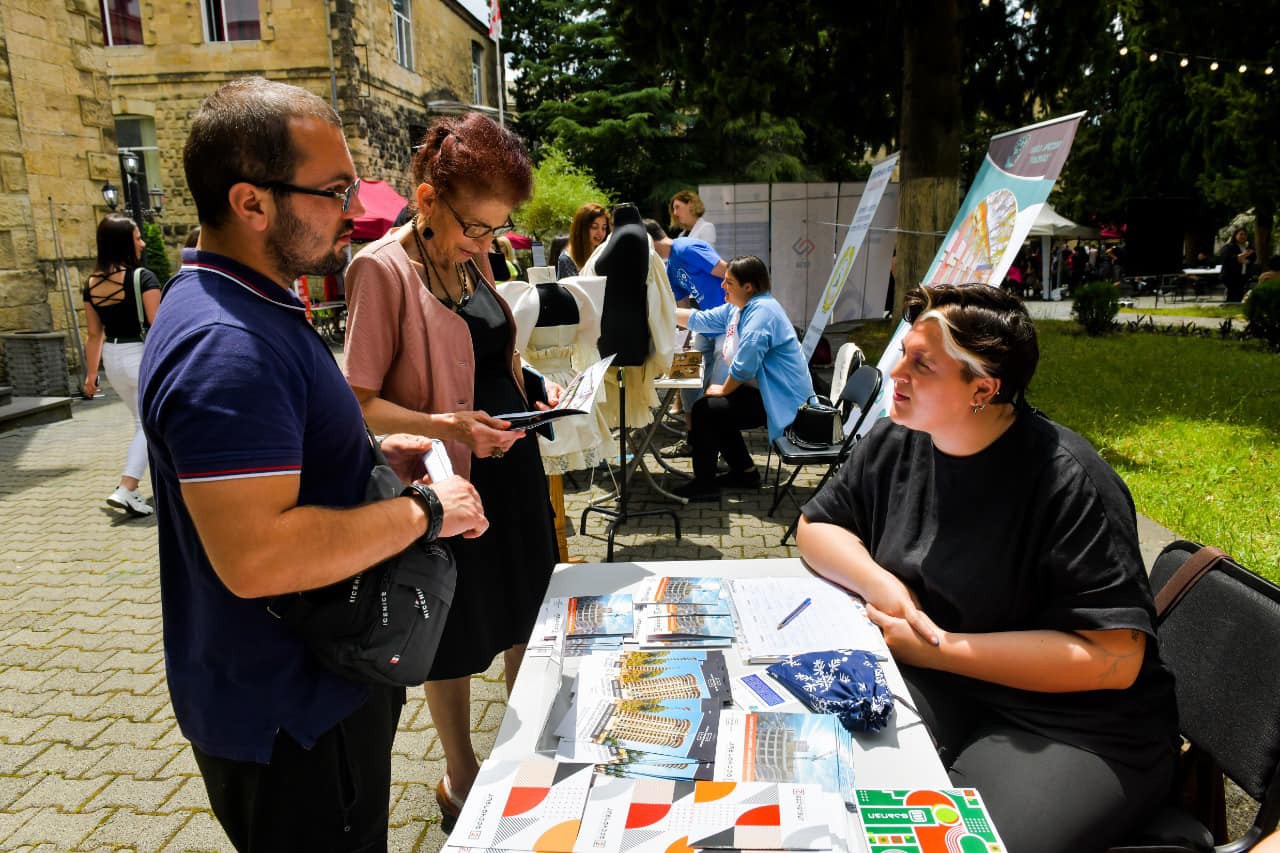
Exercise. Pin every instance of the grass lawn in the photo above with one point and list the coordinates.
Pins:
(1191, 424)
(1218, 311)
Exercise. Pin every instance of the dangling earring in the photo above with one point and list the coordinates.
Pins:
(979, 408)
(426, 231)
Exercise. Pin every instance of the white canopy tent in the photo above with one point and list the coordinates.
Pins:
(1050, 224)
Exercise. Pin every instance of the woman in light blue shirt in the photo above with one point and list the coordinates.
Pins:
(762, 378)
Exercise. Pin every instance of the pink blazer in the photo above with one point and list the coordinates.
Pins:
(404, 344)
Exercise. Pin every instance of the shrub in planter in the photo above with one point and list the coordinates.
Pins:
(1262, 309)
(154, 256)
(1096, 306)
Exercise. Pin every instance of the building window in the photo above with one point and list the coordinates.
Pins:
(231, 20)
(138, 134)
(404, 32)
(121, 22)
(477, 78)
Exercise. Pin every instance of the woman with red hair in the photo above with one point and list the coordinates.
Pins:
(431, 351)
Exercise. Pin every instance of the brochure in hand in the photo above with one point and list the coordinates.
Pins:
(578, 398)
(926, 821)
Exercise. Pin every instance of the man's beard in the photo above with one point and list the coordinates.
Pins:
(286, 239)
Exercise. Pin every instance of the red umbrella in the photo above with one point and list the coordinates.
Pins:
(519, 241)
(382, 205)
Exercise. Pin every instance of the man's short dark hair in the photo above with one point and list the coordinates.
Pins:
(241, 133)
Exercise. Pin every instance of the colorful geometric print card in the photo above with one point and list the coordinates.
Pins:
(760, 816)
(534, 804)
(637, 816)
(948, 820)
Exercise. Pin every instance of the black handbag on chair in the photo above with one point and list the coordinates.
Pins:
(817, 424)
(382, 626)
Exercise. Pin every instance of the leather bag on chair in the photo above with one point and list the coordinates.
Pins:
(817, 424)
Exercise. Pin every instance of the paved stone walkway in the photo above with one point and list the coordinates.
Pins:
(90, 754)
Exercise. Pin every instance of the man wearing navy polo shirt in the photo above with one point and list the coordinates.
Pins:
(259, 461)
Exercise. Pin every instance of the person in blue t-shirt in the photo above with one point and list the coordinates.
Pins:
(761, 378)
(696, 273)
(259, 460)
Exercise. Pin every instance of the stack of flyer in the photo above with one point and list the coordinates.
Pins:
(646, 714)
(769, 746)
(548, 630)
(674, 612)
(555, 807)
(925, 820)
(598, 623)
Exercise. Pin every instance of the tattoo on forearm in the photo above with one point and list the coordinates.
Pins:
(1116, 659)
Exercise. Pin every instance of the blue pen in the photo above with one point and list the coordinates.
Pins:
(794, 613)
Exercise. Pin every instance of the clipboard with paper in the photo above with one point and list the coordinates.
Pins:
(578, 398)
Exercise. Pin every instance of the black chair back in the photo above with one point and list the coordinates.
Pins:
(1222, 642)
(860, 390)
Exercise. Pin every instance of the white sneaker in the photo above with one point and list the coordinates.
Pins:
(128, 501)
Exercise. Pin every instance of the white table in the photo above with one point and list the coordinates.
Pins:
(900, 756)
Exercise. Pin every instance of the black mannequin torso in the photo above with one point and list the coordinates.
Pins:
(556, 306)
(624, 261)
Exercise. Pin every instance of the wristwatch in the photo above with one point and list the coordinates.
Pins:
(431, 502)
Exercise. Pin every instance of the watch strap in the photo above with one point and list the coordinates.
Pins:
(435, 510)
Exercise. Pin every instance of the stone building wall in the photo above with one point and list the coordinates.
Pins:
(56, 141)
(61, 90)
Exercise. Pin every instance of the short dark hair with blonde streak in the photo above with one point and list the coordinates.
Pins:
(987, 329)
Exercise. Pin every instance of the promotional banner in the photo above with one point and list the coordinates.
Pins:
(1008, 192)
(845, 259)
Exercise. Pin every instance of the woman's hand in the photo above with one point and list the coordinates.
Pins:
(714, 391)
(907, 642)
(893, 599)
(404, 454)
(486, 435)
(554, 392)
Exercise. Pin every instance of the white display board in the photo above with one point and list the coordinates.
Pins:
(797, 229)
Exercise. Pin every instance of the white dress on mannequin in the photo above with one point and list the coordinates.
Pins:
(559, 352)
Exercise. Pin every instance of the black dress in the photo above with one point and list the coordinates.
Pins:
(503, 575)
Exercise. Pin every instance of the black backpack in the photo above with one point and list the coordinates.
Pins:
(382, 626)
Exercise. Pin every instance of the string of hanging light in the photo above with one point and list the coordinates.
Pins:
(1185, 59)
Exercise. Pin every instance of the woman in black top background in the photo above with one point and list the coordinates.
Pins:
(999, 554)
(114, 337)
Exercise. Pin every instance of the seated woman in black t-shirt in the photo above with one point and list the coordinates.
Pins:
(999, 554)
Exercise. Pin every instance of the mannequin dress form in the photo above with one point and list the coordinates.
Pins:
(557, 324)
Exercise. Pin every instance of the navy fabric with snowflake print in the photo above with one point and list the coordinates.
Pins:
(844, 682)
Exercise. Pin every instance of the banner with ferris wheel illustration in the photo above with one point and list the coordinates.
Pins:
(1007, 195)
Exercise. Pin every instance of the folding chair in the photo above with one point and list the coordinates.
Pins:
(859, 391)
(848, 359)
(1219, 630)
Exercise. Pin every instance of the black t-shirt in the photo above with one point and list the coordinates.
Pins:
(115, 303)
(1034, 532)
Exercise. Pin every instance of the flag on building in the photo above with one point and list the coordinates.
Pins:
(495, 20)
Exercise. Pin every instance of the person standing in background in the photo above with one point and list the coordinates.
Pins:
(120, 302)
(1236, 257)
(688, 212)
(590, 228)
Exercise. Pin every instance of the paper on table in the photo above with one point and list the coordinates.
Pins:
(833, 620)
(578, 398)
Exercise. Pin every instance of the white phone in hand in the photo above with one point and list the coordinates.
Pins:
(439, 468)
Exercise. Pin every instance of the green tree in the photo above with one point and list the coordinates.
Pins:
(154, 256)
(559, 189)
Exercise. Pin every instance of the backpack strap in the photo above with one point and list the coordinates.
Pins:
(1187, 575)
(137, 301)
